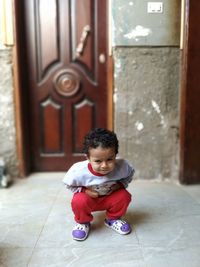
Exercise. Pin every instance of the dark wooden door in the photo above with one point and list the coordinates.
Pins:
(66, 56)
(190, 97)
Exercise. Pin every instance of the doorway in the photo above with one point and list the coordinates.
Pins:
(63, 69)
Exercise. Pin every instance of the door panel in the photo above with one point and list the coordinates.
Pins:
(66, 50)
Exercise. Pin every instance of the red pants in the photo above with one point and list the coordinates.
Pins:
(115, 205)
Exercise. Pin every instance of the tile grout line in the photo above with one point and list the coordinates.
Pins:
(28, 262)
(140, 246)
(190, 195)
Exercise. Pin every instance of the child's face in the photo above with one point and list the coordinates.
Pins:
(102, 159)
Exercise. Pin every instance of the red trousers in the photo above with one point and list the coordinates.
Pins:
(114, 204)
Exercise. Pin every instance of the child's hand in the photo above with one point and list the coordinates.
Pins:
(91, 193)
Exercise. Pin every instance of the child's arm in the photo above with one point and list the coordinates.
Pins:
(125, 181)
(74, 189)
(78, 189)
(116, 187)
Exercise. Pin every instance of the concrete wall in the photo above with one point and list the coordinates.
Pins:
(146, 109)
(7, 120)
(146, 86)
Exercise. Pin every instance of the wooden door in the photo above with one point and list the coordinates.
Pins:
(190, 97)
(66, 70)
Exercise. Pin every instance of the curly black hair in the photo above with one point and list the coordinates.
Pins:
(100, 137)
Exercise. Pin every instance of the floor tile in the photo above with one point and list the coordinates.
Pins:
(15, 257)
(20, 235)
(59, 235)
(193, 191)
(36, 221)
(176, 233)
(88, 257)
(161, 202)
(186, 257)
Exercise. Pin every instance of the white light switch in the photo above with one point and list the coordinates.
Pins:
(155, 7)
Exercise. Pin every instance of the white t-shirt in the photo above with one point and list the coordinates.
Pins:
(80, 175)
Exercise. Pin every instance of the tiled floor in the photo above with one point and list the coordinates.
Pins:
(36, 222)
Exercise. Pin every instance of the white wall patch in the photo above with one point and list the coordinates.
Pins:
(139, 126)
(139, 31)
(157, 109)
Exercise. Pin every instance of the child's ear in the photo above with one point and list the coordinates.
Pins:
(86, 156)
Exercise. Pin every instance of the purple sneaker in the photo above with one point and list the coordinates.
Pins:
(81, 231)
(120, 226)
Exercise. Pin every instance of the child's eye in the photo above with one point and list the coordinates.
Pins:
(97, 161)
(110, 159)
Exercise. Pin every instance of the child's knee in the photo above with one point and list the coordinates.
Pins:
(79, 200)
(124, 195)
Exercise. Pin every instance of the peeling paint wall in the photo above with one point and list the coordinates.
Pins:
(146, 86)
(133, 25)
(7, 121)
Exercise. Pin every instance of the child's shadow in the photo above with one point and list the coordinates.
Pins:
(137, 217)
(134, 218)
(98, 221)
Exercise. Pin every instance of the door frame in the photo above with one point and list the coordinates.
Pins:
(189, 169)
(21, 118)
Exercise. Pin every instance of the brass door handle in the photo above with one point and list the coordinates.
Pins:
(83, 39)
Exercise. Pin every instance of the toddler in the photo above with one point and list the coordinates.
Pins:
(99, 183)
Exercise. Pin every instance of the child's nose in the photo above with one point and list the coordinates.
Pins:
(104, 164)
